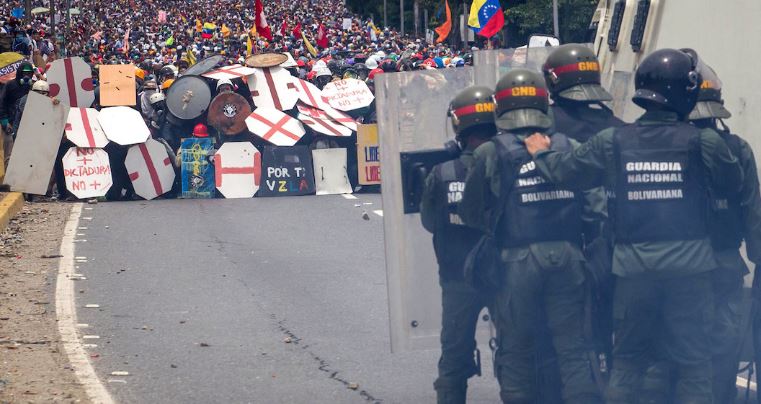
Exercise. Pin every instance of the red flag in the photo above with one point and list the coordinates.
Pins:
(261, 21)
(322, 37)
(446, 27)
(283, 29)
(297, 30)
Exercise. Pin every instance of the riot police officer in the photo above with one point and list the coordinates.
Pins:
(472, 114)
(661, 168)
(572, 73)
(734, 217)
(538, 227)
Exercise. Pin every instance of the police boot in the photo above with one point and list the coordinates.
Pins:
(454, 396)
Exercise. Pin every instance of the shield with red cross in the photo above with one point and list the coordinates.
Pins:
(71, 82)
(83, 128)
(273, 87)
(237, 169)
(275, 127)
(87, 172)
(229, 72)
(123, 125)
(309, 94)
(329, 112)
(150, 169)
(320, 122)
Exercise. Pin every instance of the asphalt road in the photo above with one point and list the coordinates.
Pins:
(244, 277)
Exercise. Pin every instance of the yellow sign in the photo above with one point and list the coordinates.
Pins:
(368, 155)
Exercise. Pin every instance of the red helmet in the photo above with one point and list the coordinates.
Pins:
(373, 72)
(200, 131)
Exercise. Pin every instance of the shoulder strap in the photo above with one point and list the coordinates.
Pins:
(505, 184)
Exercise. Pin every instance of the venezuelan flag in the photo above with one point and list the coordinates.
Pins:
(486, 17)
(208, 30)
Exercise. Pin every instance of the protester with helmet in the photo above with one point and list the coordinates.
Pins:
(472, 117)
(537, 227)
(225, 86)
(14, 91)
(734, 218)
(661, 168)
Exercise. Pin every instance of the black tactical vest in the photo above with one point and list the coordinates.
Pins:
(452, 240)
(580, 122)
(536, 210)
(725, 221)
(660, 191)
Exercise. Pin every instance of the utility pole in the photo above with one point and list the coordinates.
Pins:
(28, 10)
(555, 18)
(416, 13)
(385, 15)
(52, 23)
(401, 17)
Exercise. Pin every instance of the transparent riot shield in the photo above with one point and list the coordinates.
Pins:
(412, 117)
(490, 65)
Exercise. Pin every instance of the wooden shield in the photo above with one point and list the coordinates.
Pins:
(266, 60)
(34, 152)
(117, 85)
(228, 113)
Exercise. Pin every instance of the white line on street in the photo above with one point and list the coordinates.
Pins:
(66, 314)
(378, 212)
(348, 196)
(743, 382)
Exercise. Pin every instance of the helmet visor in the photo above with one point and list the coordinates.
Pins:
(524, 118)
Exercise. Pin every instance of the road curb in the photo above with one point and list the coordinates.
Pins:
(9, 206)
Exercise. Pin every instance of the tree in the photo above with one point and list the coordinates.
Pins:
(526, 17)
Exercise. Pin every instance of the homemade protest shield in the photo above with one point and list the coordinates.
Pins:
(412, 118)
(196, 171)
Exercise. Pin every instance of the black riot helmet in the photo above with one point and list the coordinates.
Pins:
(710, 103)
(521, 97)
(668, 79)
(472, 111)
(572, 72)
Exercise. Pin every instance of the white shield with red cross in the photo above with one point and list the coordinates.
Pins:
(320, 122)
(83, 128)
(309, 94)
(87, 172)
(348, 94)
(70, 81)
(150, 169)
(237, 169)
(329, 112)
(273, 87)
(123, 125)
(275, 126)
(229, 72)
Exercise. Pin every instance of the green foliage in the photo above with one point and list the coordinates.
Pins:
(526, 17)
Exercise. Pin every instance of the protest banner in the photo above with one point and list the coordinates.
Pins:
(287, 171)
(330, 177)
(368, 155)
(237, 169)
(348, 94)
(87, 172)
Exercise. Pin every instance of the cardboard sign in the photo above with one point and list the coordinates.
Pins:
(346, 24)
(70, 81)
(83, 128)
(36, 146)
(87, 172)
(123, 125)
(275, 127)
(273, 87)
(287, 171)
(348, 94)
(330, 176)
(150, 169)
(117, 85)
(368, 155)
(196, 171)
(238, 169)
(229, 72)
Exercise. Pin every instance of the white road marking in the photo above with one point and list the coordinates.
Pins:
(80, 258)
(81, 234)
(83, 325)
(348, 196)
(91, 337)
(743, 382)
(66, 314)
(379, 212)
(117, 381)
(92, 306)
